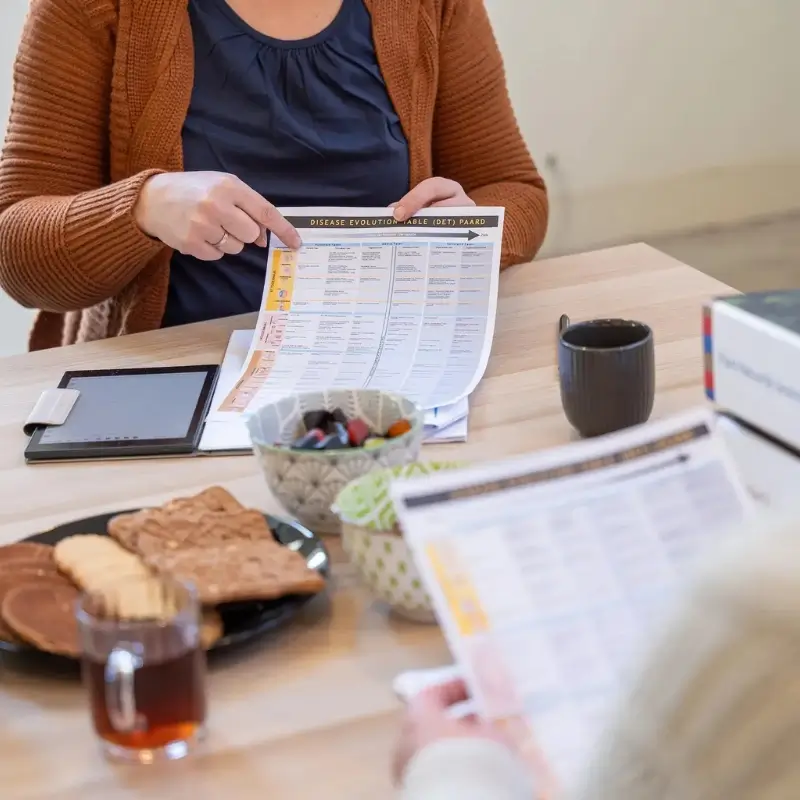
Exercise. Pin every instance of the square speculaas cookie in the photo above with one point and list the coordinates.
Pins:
(210, 519)
(215, 498)
(156, 530)
(240, 571)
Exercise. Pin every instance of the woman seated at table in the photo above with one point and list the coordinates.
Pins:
(715, 713)
(150, 145)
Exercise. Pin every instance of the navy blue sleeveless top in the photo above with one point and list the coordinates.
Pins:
(304, 123)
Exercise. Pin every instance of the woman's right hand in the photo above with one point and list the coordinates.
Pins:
(192, 212)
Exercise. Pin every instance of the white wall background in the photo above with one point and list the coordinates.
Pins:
(661, 114)
(657, 115)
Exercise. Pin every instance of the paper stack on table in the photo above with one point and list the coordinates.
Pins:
(447, 423)
(228, 434)
(372, 303)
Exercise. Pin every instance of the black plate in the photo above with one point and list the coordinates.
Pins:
(242, 622)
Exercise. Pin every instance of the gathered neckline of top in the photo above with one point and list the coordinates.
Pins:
(289, 44)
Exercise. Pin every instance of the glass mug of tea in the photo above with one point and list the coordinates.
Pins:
(144, 667)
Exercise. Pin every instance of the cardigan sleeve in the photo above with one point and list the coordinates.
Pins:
(466, 769)
(68, 240)
(476, 138)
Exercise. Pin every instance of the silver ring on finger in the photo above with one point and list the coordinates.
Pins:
(223, 240)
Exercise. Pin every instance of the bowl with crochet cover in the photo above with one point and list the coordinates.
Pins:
(373, 541)
(306, 482)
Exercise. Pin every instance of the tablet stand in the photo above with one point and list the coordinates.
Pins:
(52, 408)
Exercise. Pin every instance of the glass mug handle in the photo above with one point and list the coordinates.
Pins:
(121, 665)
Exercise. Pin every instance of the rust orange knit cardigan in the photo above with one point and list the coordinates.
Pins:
(101, 91)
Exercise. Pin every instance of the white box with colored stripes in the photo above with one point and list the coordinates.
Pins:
(752, 360)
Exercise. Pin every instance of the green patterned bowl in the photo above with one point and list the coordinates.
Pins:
(374, 542)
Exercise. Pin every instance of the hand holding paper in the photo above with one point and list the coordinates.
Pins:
(549, 573)
(370, 302)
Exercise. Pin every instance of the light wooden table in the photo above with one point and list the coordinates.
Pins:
(309, 713)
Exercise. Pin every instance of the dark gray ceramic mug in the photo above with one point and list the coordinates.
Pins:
(607, 372)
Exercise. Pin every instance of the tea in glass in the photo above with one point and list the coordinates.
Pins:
(145, 672)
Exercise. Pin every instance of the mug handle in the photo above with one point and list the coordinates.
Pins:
(563, 323)
(120, 692)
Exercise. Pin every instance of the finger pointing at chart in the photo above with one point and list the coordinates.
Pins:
(209, 214)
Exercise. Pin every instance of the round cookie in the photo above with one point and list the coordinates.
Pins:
(43, 614)
(9, 581)
(26, 566)
(7, 634)
(28, 551)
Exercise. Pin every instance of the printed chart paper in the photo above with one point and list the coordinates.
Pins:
(550, 573)
(368, 302)
(227, 433)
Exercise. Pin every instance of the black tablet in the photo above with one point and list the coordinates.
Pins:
(129, 413)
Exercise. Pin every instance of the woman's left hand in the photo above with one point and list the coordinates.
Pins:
(431, 193)
(427, 721)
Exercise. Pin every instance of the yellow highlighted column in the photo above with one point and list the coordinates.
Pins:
(281, 281)
(461, 595)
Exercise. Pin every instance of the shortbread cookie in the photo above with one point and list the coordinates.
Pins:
(28, 551)
(43, 614)
(183, 526)
(123, 586)
(211, 629)
(90, 559)
(240, 571)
